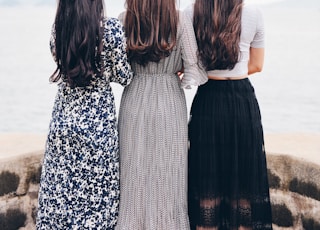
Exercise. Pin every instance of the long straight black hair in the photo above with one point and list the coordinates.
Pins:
(217, 25)
(78, 41)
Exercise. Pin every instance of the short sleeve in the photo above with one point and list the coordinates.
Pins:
(194, 73)
(259, 37)
(115, 46)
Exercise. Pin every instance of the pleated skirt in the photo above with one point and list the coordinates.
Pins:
(227, 171)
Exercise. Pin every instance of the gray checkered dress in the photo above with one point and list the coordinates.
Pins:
(154, 140)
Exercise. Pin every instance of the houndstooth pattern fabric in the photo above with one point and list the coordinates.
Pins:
(153, 140)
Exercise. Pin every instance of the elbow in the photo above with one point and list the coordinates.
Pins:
(254, 69)
(258, 68)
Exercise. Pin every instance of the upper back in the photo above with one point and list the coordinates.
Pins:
(169, 64)
(252, 35)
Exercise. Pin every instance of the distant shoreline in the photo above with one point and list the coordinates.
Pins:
(286, 88)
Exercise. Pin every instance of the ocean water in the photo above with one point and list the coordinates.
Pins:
(288, 89)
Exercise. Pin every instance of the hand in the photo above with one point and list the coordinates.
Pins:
(180, 73)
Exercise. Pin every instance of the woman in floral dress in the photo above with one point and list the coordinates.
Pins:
(79, 186)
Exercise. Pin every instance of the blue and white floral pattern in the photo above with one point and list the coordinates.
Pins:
(79, 186)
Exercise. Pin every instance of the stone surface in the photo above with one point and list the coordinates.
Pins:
(25, 197)
(300, 199)
(293, 165)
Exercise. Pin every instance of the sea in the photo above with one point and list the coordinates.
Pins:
(288, 88)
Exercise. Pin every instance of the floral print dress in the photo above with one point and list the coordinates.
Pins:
(79, 187)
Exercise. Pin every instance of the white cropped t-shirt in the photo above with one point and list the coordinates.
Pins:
(252, 35)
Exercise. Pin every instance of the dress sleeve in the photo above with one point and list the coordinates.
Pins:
(116, 44)
(53, 42)
(194, 73)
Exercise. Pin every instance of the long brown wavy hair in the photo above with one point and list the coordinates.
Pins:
(78, 36)
(217, 25)
(151, 29)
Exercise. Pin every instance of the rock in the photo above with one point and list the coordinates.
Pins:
(294, 191)
(294, 181)
(18, 207)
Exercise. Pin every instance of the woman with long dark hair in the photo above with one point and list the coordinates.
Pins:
(153, 116)
(228, 184)
(79, 187)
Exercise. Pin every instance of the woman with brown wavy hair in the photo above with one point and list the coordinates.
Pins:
(153, 116)
(79, 186)
(228, 184)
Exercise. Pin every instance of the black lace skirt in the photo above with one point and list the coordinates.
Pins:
(228, 184)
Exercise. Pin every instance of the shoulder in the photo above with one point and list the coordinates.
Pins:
(252, 11)
(112, 23)
(112, 27)
(113, 31)
(252, 16)
(188, 11)
(184, 18)
(122, 16)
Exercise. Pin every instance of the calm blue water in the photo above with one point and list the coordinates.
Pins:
(288, 89)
